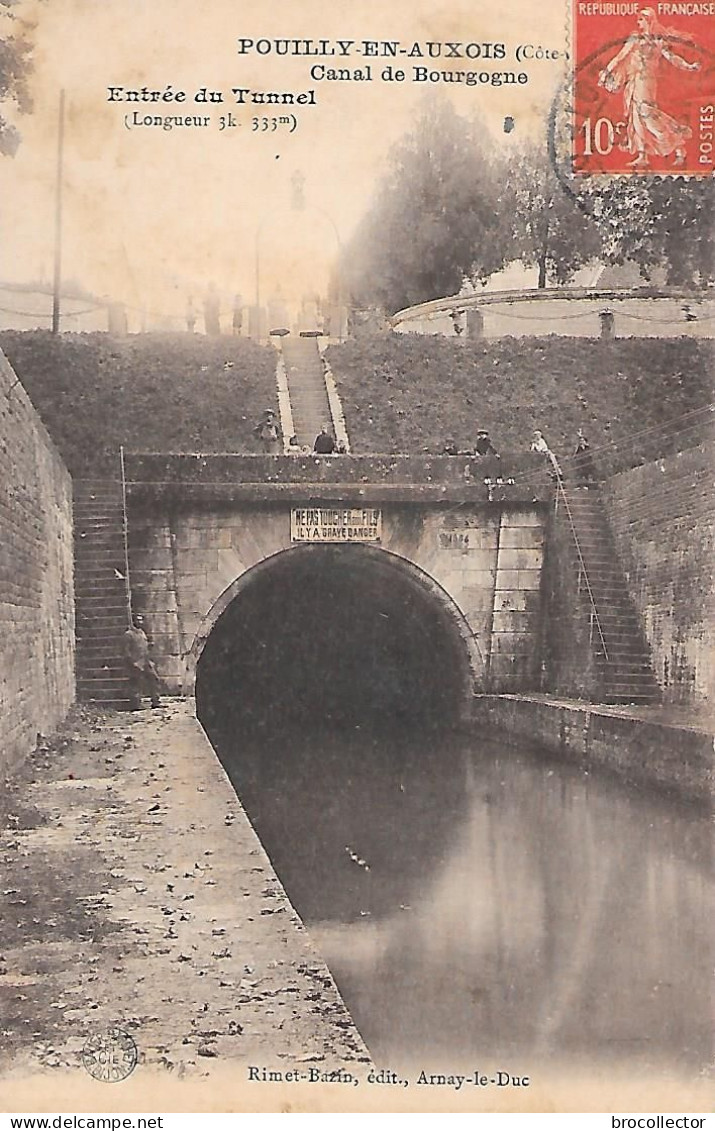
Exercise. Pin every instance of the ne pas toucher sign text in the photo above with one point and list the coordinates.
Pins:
(335, 524)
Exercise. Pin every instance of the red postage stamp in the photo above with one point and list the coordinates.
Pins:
(644, 87)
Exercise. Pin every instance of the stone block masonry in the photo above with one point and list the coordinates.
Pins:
(663, 520)
(185, 563)
(515, 628)
(36, 582)
(644, 746)
(200, 524)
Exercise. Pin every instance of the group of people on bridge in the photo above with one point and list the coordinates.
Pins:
(268, 434)
(142, 676)
(583, 468)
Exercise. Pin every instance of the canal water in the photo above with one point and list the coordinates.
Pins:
(479, 904)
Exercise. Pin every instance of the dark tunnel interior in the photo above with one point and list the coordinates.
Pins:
(331, 637)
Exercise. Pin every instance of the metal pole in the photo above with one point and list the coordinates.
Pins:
(125, 532)
(258, 280)
(338, 271)
(58, 219)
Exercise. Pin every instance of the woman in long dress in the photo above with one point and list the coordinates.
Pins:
(635, 70)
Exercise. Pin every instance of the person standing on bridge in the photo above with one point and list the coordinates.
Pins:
(484, 445)
(268, 433)
(143, 676)
(324, 442)
(538, 444)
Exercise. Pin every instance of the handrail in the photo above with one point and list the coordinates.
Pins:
(582, 564)
(125, 532)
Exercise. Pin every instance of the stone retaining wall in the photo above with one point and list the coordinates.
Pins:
(663, 519)
(641, 750)
(36, 580)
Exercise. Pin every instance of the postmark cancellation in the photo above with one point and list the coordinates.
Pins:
(110, 1055)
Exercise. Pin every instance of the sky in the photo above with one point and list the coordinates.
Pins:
(152, 215)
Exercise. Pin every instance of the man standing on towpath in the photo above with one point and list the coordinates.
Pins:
(143, 676)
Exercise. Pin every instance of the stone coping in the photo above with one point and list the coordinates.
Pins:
(518, 477)
(643, 745)
(698, 719)
(545, 294)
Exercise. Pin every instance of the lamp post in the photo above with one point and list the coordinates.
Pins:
(297, 205)
(57, 282)
(338, 274)
(259, 230)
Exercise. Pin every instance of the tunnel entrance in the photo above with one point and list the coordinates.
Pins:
(334, 636)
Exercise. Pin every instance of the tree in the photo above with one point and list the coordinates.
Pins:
(657, 222)
(550, 231)
(15, 66)
(434, 218)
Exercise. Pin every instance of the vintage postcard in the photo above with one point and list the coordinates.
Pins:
(356, 544)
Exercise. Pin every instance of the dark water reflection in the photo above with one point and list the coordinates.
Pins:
(506, 906)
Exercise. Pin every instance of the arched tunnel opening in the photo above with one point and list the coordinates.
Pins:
(328, 687)
(332, 637)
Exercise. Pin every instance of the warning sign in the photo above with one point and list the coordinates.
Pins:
(335, 524)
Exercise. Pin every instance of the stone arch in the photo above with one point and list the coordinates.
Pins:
(472, 673)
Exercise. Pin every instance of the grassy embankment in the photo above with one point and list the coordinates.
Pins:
(401, 393)
(149, 392)
(408, 393)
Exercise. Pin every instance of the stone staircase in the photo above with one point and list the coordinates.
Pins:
(100, 592)
(306, 387)
(625, 670)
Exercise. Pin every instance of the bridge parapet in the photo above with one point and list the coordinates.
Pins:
(175, 476)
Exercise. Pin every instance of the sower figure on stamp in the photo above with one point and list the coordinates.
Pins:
(650, 130)
(143, 676)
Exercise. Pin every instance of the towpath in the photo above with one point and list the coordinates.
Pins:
(136, 894)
